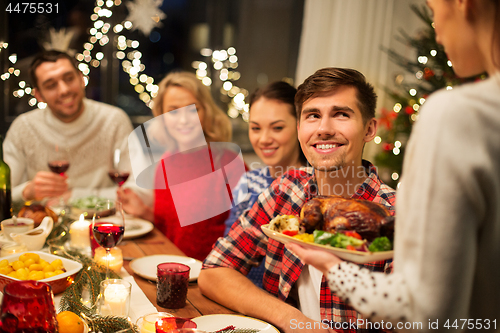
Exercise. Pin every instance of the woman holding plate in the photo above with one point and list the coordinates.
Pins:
(447, 239)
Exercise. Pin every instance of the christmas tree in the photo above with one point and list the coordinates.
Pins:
(432, 70)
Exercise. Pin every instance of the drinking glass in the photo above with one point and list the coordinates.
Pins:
(28, 306)
(59, 163)
(172, 285)
(117, 173)
(108, 226)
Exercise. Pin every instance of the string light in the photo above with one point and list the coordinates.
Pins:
(224, 62)
(144, 87)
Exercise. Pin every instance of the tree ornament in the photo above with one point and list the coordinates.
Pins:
(145, 15)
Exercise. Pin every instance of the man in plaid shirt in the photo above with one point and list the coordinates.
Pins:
(336, 109)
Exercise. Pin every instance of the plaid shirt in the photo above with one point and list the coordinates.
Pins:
(246, 245)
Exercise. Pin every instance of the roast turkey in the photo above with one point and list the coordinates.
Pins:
(337, 214)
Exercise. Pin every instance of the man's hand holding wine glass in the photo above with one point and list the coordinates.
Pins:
(47, 184)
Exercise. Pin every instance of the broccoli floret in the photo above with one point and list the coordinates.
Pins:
(380, 244)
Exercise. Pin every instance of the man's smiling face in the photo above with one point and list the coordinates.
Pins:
(61, 86)
(331, 130)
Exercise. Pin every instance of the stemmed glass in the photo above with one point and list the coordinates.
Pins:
(59, 163)
(108, 227)
(117, 174)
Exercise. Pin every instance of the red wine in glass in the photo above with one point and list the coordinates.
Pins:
(59, 167)
(118, 177)
(108, 234)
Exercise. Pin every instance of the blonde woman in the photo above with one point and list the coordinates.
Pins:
(188, 157)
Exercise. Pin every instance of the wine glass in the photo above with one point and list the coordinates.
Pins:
(117, 173)
(59, 160)
(108, 227)
(59, 163)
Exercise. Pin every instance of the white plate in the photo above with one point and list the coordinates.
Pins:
(146, 266)
(136, 227)
(358, 257)
(215, 322)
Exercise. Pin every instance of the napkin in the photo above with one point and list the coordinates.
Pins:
(139, 303)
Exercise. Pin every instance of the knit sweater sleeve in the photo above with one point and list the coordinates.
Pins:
(442, 204)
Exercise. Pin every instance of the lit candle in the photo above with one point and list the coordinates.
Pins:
(115, 258)
(79, 233)
(116, 298)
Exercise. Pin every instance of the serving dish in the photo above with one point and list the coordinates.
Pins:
(358, 257)
(59, 283)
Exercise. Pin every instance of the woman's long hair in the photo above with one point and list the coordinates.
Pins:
(216, 124)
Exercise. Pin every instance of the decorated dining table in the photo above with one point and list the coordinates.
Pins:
(109, 291)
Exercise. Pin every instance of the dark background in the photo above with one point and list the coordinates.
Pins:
(265, 33)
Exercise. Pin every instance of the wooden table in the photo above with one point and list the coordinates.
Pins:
(156, 243)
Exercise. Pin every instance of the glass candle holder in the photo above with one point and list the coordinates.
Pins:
(147, 323)
(115, 258)
(172, 285)
(115, 298)
(8, 249)
(28, 306)
(166, 325)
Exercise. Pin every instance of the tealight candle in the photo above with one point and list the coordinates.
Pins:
(79, 233)
(147, 323)
(12, 248)
(115, 258)
(115, 297)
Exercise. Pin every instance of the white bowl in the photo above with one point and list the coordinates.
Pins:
(59, 283)
(23, 224)
(35, 239)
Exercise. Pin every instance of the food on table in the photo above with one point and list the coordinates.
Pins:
(37, 212)
(286, 224)
(30, 266)
(337, 214)
(352, 224)
(69, 322)
(88, 202)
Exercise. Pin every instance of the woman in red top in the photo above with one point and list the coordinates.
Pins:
(192, 198)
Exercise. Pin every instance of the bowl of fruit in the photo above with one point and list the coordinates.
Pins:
(56, 271)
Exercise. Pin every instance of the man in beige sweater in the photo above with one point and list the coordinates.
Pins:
(90, 130)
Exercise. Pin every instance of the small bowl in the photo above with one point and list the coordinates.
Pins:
(59, 283)
(23, 224)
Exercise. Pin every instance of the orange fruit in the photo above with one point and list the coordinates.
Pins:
(69, 322)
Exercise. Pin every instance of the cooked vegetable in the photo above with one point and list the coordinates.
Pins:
(308, 238)
(380, 244)
(88, 202)
(336, 240)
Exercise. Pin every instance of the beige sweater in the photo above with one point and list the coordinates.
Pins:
(91, 138)
(447, 242)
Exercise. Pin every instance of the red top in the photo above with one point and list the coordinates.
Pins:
(193, 200)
